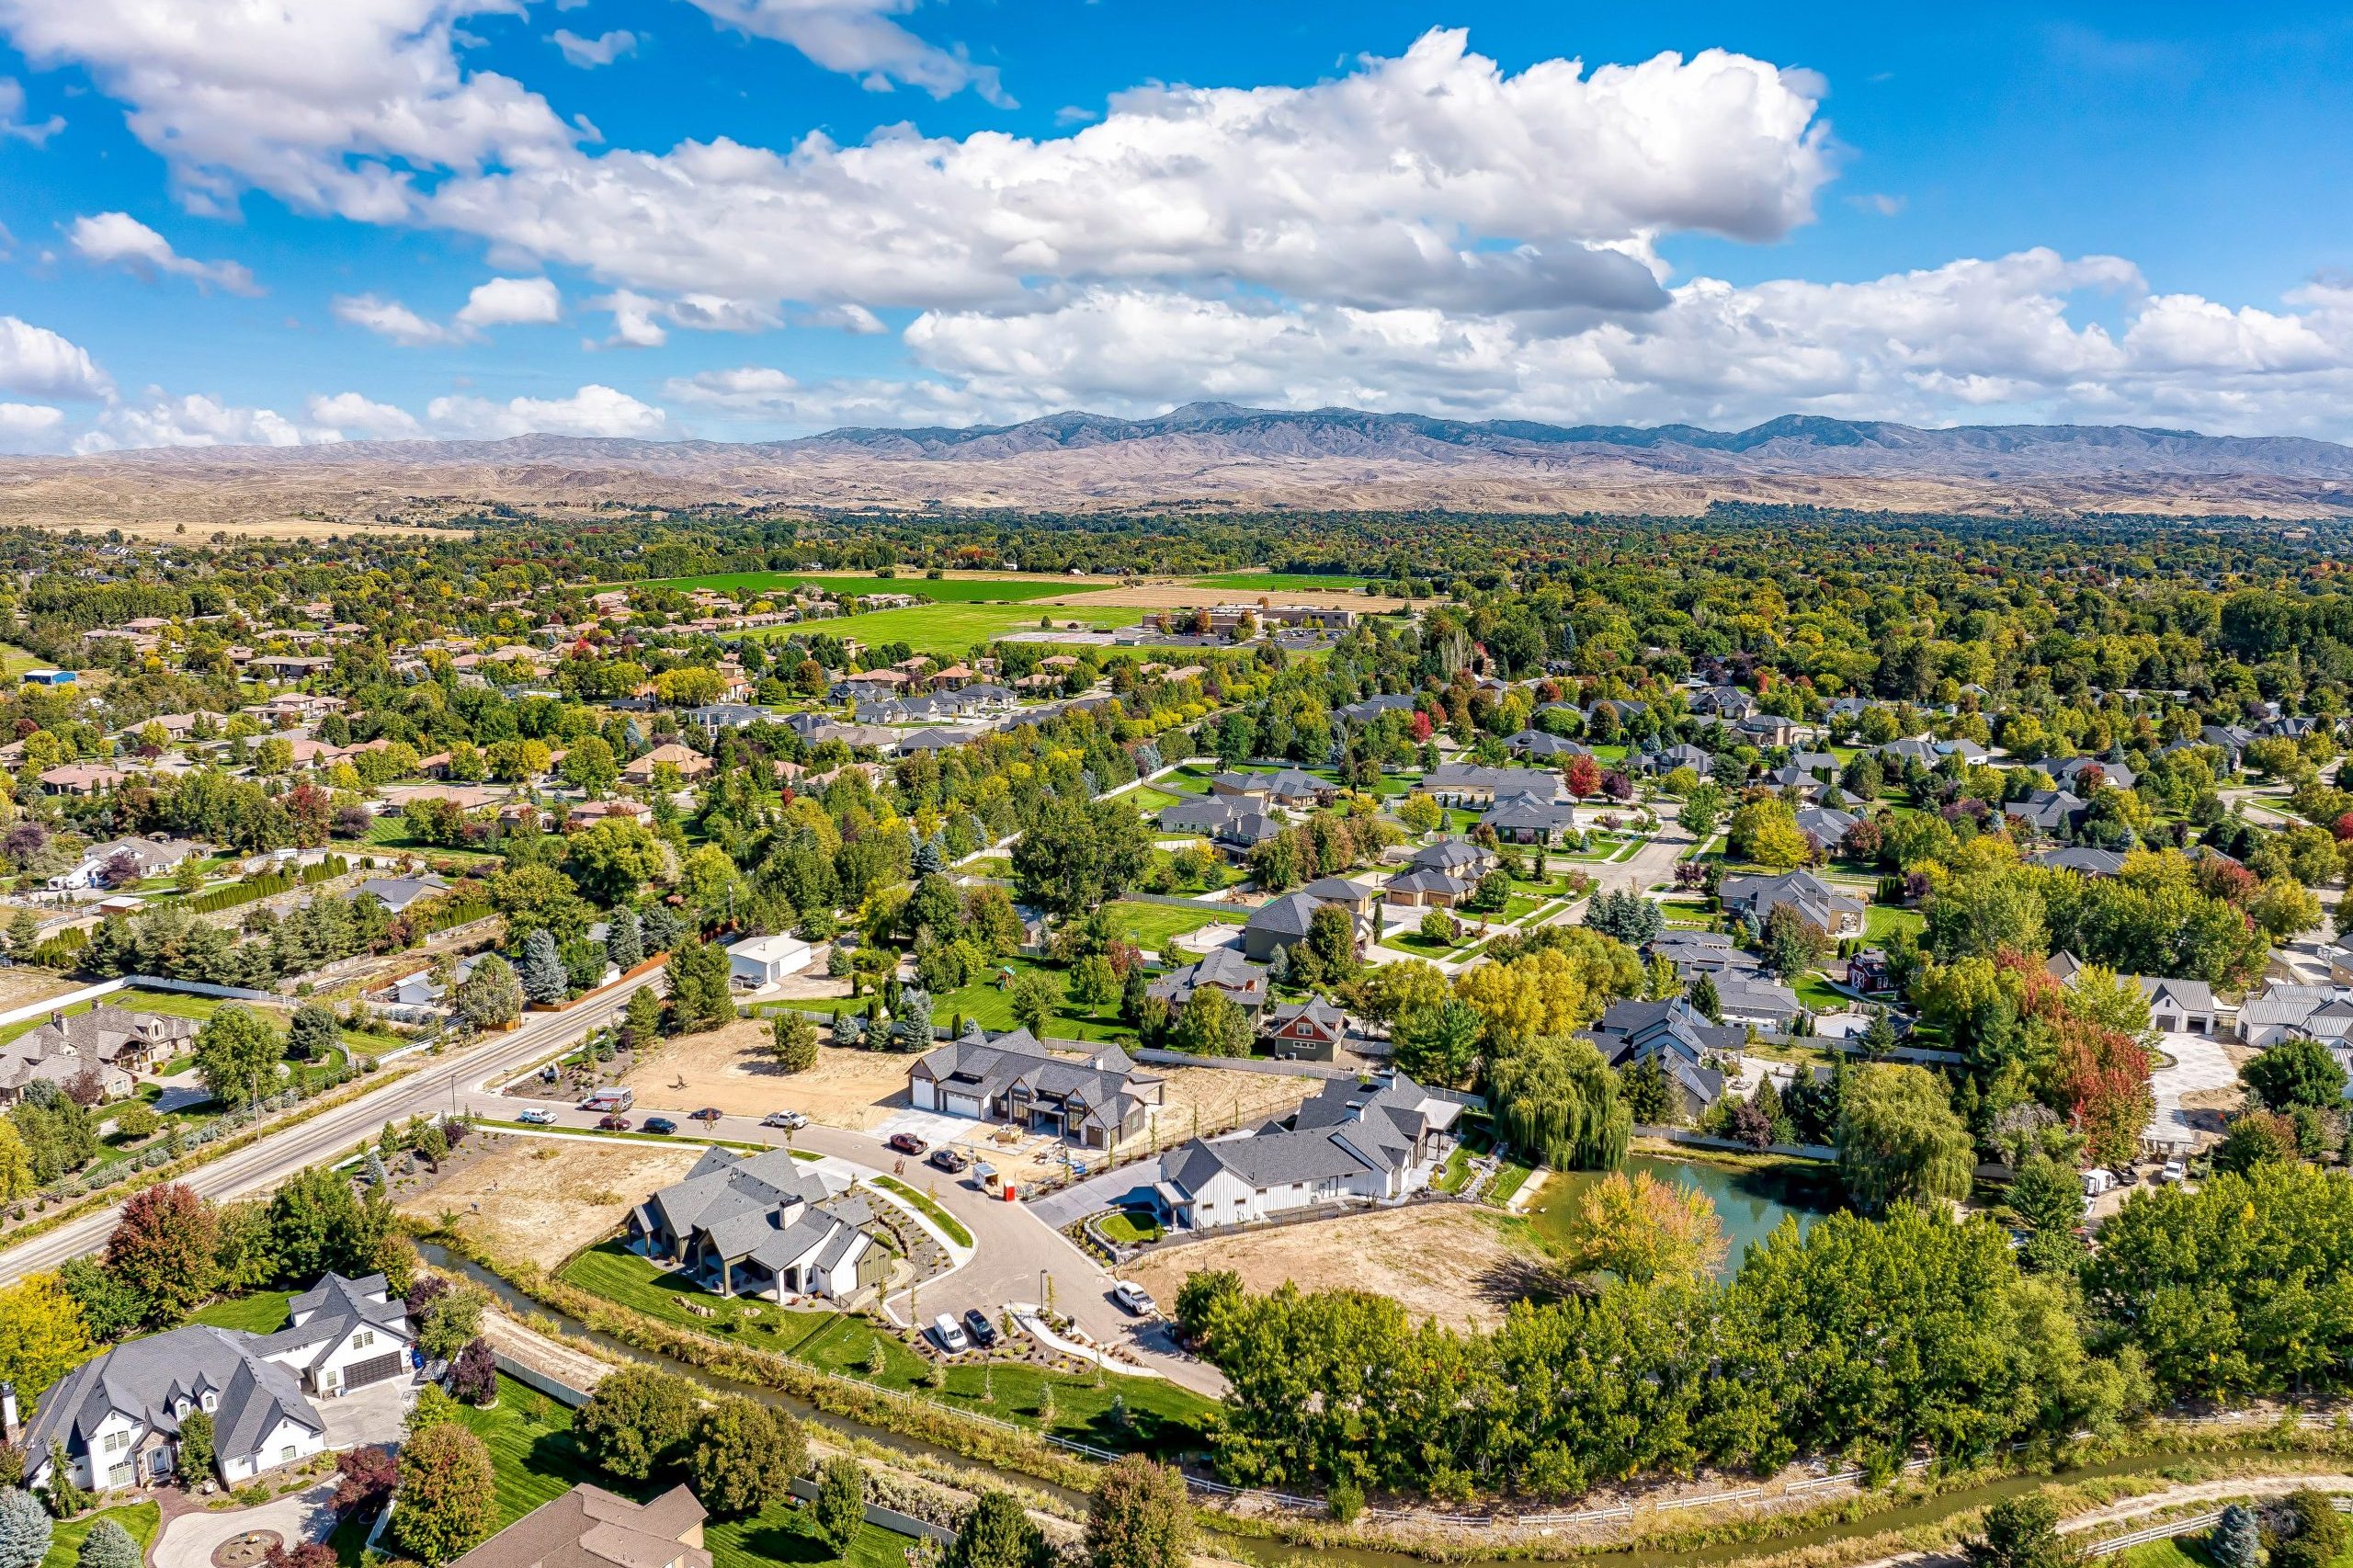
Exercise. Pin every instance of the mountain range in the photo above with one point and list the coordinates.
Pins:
(1218, 456)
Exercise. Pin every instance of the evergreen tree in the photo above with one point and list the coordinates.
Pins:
(662, 928)
(2238, 1538)
(23, 1530)
(794, 1042)
(1704, 1000)
(911, 1030)
(195, 1448)
(624, 940)
(542, 971)
(642, 1019)
(699, 996)
(997, 1534)
(840, 1507)
(109, 1545)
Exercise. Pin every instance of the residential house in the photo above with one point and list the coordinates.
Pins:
(343, 1334)
(1222, 968)
(136, 1042)
(1526, 819)
(1677, 1035)
(588, 814)
(1826, 825)
(591, 1527)
(2055, 813)
(763, 1225)
(1283, 922)
(1541, 745)
(83, 778)
(1659, 764)
(1231, 823)
(2077, 774)
(1467, 784)
(1359, 1142)
(1726, 702)
(1311, 1029)
(143, 857)
(690, 764)
(397, 894)
(1754, 898)
(2087, 862)
(1099, 1100)
(1440, 876)
(1766, 730)
(1372, 708)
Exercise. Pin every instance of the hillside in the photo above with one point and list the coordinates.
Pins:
(1217, 455)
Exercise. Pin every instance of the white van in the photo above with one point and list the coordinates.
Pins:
(950, 1334)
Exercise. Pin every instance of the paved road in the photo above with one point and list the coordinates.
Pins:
(1015, 1250)
(334, 1133)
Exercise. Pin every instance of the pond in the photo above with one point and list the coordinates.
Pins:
(1751, 1201)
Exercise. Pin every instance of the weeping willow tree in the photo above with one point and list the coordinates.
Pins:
(1557, 1102)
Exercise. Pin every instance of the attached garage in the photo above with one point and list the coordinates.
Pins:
(374, 1369)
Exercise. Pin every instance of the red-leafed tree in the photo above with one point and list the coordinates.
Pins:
(163, 1248)
(1584, 775)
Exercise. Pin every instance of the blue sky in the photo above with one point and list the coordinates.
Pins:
(744, 219)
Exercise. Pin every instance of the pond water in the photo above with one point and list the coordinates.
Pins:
(1750, 1202)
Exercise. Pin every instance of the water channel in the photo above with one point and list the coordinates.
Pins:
(1750, 1202)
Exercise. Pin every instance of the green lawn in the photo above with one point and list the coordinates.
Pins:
(1278, 582)
(1883, 921)
(1150, 926)
(989, 866)
(1162, 1418)
(1131, 1227)
(1151, 800)
(264, 1312)
(951, 631)
(930, 1210)
(171, 1003)
(940, 590)
(536, 1458)
(144, 1521)
(1815, 996)
(992, 1007)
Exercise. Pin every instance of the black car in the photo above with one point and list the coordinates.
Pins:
(977, 1324)
(949, 1160)
(660, 1124)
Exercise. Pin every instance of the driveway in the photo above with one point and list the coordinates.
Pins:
(189, 1540)
(374, 1414)
(1094, 1194)
(2199, 1062)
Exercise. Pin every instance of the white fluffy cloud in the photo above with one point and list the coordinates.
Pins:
(592, 411)
(12, 115)
(588, 53)
(196, 420)
(28, 424)
(858, 38)
(354, 417)
(389, 318)
(37, 360)
(512, 301)
(118, 239)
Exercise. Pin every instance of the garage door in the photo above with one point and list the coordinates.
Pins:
(374, 1369)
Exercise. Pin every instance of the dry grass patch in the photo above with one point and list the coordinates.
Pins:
(729, 1068)
(545, 1199)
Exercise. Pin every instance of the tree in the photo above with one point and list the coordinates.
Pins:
(1703, 808)
(42, 1336)
(2255, 1138)
(1093, 983)
(2299, 1071)
(1766, 831)
(840, 1507)
(1642, 1228)
(1650, 1097)
(543, 973)
(1557, 1101)
(701, 999)
(640, 1019)
(490, 997)
(2319, 1537)
(1439, 1045)
(163, 1248)
(109, 1545)
(1212, 1025)
(317, 1224)
(195, 1460)
(1139, 1516)
(1898, 1140)
(1199, 1299)
(624, 940)
(1791, 944)
(473, 1376)
(314, 1031)
(1625, 914)
(1079, 853)
(613, 859)
(793, 1042)
(745, 1455)
(448, 1498)
(638, 1421)
(998, 1533)
(364, 1478)
(589, 765)
(23, 1530)
(451, 1322)
(110, 1309)
(1034, 997)
(2020, 1532)
(237, 1053)
(2237, 1540)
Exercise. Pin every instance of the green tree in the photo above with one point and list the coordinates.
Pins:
(840, 1507)
(2299, 1071)
(1211, 1024)
(613, 859)
(25, 1528)
(2255, 1138)
(1899, 1140)
(43, 1335)
(1439, 1045)
(1139, 1517)
(1092, 982)
(2021, 1532)
(1642, 1228)
(163, 1248)
(1557, 1103)
(2319, 1536)
(998, 1533)
(315, 1033)
(1079, 853)
(109, 1545)
(543, 973)
(793, 1042)
(1032, 999)
(700, 997)
(452, 1321)
(237, 1054)
(490, 997)
(745, 1455)
(638, 1423)
(449, 1494)
(195, 1461)
(1767, 832)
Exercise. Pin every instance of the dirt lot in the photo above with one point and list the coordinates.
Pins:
(729, 1068)
(1202, 1100)
(545, 1199)
(23, 987)
(1448, 1261)
(1186, 595)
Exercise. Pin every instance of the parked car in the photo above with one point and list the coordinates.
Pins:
(1135, 1299)
(977, 1324)
(612, 1124)
(2175, 1171)
(983, 1173)
(949, 1333)
(949, 1160)
(909, 1143)
(790, 1120)
(709, 1114)
(661, 1124)
(535, 1115)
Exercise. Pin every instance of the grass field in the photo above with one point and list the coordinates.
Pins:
(987, 1004)
(1161, 1417)
(264, 1312)
(538, 1458)
(950, 630)
(1150, 926)
(1883, 921)
(943, 590)
(144, 1521)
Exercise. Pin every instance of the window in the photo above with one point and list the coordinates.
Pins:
(117, 1442)
(209, 1401)
(286, 1454)
(363, 1339)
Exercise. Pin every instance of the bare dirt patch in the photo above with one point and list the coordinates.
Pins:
(1189, 596)
(545, 1199)
(729, 1068)
(1198, 1101)
(23, 987)
(1452, 1262)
